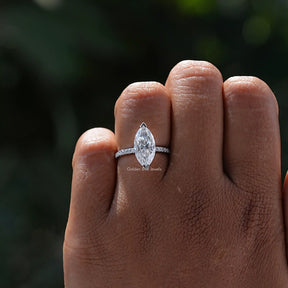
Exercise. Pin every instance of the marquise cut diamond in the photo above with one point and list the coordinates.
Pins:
(144, 145)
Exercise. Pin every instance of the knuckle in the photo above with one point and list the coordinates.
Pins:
(84, 254)
(95, 141)
(137, 92)
(250, 92)
(259, 229)
(190, 69)
(255, 217)
(194, 215)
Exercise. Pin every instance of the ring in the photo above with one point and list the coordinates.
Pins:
(144, 147)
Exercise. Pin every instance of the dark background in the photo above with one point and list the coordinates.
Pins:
(62, 66)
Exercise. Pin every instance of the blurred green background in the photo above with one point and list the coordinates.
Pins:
(63, 65)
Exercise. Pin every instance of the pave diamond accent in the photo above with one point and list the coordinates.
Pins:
(144, 145)
(126, 151)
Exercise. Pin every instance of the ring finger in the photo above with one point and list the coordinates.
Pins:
(146, 102)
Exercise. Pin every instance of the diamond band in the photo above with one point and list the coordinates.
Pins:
(128, 151)
(144, 147)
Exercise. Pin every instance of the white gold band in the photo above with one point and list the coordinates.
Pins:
(132, 150)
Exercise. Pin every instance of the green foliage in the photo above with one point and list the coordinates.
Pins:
(62, 66)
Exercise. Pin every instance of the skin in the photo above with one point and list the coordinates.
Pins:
(212, 216)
